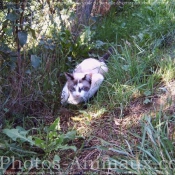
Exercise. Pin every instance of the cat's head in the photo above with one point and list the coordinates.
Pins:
(78, 84)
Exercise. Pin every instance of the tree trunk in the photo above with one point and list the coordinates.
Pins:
(101, 7)
(1, 4)
(86, 11)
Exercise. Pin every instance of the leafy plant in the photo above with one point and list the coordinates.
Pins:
(18, 133)
(53, 141)
(49, 142)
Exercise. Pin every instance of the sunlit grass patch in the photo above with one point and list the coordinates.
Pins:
(130, 75)
(152, 154)
(167, 68)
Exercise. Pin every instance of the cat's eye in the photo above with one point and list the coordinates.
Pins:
(85, 88)
(72, 89)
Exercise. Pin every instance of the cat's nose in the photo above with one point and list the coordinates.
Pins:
(77, 96)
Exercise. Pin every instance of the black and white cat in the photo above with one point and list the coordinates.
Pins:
(85, 80)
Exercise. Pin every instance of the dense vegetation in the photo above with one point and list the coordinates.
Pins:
(127, 128)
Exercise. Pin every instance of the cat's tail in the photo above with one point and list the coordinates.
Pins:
(105, 57)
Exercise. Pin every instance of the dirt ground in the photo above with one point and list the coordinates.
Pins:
(113, 128)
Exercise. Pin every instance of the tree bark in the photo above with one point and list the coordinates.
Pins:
(1, 5)
(86, 11)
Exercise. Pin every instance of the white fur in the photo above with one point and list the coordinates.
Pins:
(76, 96)
(89, 66)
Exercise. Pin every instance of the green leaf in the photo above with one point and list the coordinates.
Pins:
(147, 93)
(52, 135)
(12, 16)
(19, 150)
(70, 135)
(125, 67)
(99, 43)
(18, 133)
(146, 101)
(32, 32)
(60, 140)
(40, 143)
(6, 110)
(149, 154)
(56, 158)
(140, 35)
(35, 61)
(22, 36)
(66, 147)
(55, 125)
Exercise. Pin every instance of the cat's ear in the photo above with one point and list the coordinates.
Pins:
(69, 76)
(88, 77)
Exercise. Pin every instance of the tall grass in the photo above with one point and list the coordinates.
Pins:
(154, 152)
(138, 35)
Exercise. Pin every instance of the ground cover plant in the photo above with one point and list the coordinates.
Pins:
(128, 127)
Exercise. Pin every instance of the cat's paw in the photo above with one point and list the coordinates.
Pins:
(64, 98)
(74, 101)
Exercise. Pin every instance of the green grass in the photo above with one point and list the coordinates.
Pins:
(154, 152)
(138, 34)
(144, 23)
